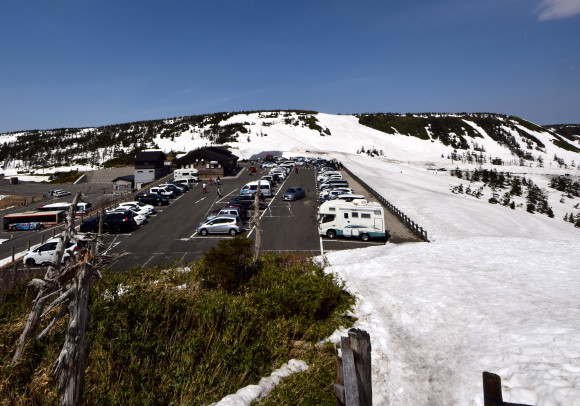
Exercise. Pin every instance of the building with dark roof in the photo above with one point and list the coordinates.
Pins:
(210, 162)
(126, 182)
(149, 165)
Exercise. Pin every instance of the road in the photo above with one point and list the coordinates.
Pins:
(170, 235)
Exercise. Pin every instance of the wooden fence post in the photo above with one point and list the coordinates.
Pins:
(339, 385)
(492, 391)
(353, 373)
(360, 342)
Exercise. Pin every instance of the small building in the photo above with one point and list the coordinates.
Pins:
(126, 182)
(149, 166)
(210, 162)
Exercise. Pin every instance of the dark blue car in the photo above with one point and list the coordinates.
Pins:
(294, 193)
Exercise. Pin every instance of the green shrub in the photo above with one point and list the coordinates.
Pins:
(159, 336)
(228, 265)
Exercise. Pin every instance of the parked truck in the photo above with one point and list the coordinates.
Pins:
(364, 220)
(191, 174)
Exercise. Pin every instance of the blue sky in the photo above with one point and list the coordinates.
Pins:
(79, 63)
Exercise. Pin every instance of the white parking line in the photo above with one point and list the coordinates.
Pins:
(268, 206)
(149, 260)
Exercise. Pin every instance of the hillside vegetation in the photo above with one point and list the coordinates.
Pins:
(116, 145)
(191, 335)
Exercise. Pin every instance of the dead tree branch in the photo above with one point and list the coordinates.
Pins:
(71, 282)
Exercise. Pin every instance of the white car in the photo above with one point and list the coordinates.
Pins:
(42, 253)
(134, 208)
(331, 194)
(324, 194)
(269, 165)
(60, 193)
(149, 209)
(280, 172)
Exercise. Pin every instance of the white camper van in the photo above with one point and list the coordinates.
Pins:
(351, 219)
(191, 174)
(251, 187)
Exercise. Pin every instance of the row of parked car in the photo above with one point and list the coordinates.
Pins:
(230, 218)
(342, 213)
(127, 216)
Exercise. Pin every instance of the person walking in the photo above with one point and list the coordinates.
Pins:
(219, 191)
(203, 188)
(218, 181)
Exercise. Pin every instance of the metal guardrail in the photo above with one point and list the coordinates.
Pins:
(410, 224)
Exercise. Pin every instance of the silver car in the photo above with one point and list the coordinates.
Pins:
(231, 225)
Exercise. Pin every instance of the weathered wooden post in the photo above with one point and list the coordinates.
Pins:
(492, 391)
(360, 342)
(354, 386)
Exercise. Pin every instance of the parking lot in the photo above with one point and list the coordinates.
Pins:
(170, 234)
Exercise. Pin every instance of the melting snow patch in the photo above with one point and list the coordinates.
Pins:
(251, 393)
(121, 290)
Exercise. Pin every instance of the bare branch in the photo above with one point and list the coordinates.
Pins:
(66, 295)
(50, 284)
(62, 312)
(37, 283)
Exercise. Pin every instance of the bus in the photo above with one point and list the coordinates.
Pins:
(82, 207)
(33, 220)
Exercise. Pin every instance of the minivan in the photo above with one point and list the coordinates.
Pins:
(152, 199)
(113, 222)
(247, 201)
(251, 187)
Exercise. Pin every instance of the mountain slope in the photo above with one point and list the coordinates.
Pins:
(437, 138)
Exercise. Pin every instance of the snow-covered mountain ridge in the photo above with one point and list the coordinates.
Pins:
(429, 137)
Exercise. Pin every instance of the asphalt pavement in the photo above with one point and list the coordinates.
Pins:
(170, 234)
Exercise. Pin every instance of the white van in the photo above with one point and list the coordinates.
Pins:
(191, 174)
(163, 192)
(338, 218)
(326, 175)
(251, 187)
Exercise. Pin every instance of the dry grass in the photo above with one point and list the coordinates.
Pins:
(12, 274)
(17, 201)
